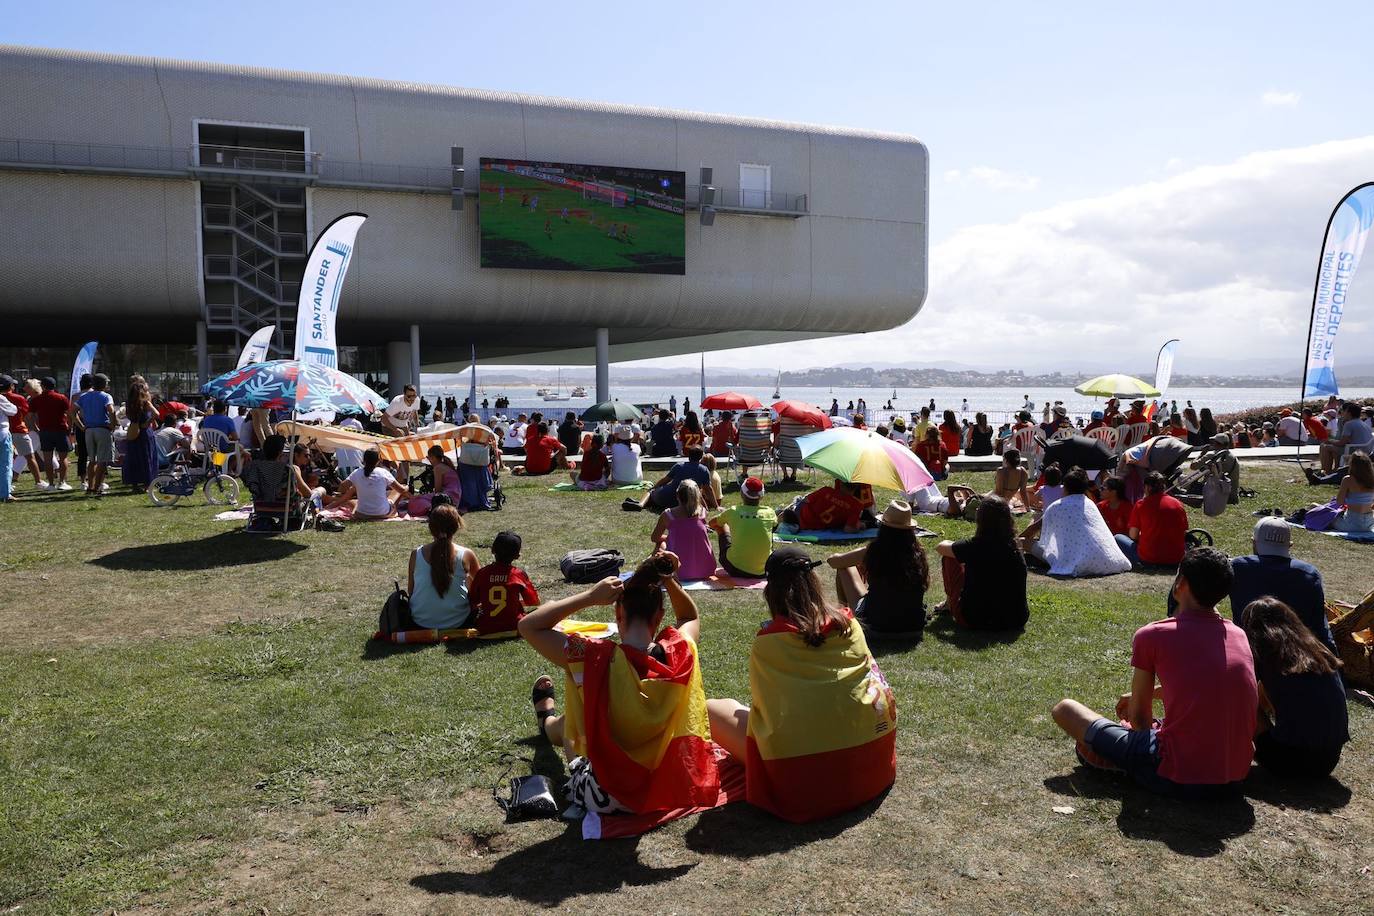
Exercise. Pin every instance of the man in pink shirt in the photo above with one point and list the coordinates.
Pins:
(1206, 678)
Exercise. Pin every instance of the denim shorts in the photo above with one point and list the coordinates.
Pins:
(1137, 754)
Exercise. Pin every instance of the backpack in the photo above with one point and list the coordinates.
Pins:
(395, 615)
(587, 566)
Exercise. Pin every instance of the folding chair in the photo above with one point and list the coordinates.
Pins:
(755, 447)
(788, 452)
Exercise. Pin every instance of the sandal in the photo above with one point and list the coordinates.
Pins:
(538, 695)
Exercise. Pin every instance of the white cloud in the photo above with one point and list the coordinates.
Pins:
(1276, 99)
(992, 179)
(1221, 256)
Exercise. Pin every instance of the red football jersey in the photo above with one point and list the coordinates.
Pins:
(499, 595)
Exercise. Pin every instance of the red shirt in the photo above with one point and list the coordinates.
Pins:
(950, 439)
(593, 466)
(17, 425)
(539, 454)
(722, 437)
(1118, 519)
(52, 408)
(829, 508)
(1163, 522)
(1207, 681)
(499, 594)
(689, 439)
(933, 455)
(1316, 429)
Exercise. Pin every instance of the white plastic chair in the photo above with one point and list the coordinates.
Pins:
(213, 441)
(1064, 432)
(1024, 441)
(1105, 434)
(1129, 437)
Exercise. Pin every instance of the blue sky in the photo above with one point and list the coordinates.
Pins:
(1025, 107)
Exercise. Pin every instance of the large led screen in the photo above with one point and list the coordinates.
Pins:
(562, 216)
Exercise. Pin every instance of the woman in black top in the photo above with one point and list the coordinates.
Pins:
(980, 436)
(985, 576)
(1303, 723)
(884, 582)
(570, 433)
(663, 437)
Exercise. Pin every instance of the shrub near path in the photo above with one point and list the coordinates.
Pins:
(192, 719)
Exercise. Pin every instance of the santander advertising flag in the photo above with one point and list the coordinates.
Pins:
(321, 285)
(85, 360)
(1164, 366)
(1341, 251)
(255, 351)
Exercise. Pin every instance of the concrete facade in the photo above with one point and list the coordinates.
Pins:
(850, 258)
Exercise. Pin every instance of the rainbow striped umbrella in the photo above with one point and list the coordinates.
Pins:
(863, 456)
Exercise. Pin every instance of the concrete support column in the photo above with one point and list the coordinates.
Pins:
(603, 364)
(397, 365)
(415, 359)
(202, 354)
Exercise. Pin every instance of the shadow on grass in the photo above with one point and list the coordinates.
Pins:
(944, 629)
(1321, 796)
(555, 871)
(218, 551)
(742, 831)
(374, 649)
(1191, 828)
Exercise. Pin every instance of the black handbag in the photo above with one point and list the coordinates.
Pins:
(395, 614)
(529, 796)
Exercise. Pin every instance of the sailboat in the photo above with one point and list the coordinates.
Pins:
(777, 388)
(557, 393)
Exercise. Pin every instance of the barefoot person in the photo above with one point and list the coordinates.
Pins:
(634, 732)
(369, 489)
(1206, 679)
(819, 735)
(1009, 483)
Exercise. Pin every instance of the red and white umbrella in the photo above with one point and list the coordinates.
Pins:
(805, 414)
(730, 400)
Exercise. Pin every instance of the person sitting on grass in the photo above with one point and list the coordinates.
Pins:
(745, 533)
(501, 592)
(1071, 537)
(1206, 679)
(933, 453)
(833, 508)
(594, 468)
(819, 736)
(1010, 482)
(635, 731)
(885, 580)
(1115, 507)
(716, 486)
(1048, 489)
(1270, 572)
(441, 574)
(543, 453)
(663, 495)
(1159, 527)
(367, 490)
(985, 575)
(446, 480)
(625, 464)
(681, 531)
(1303, 723)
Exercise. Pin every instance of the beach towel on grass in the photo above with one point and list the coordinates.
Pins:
(720, 581)
(823, 724)
(618, 826)
(1359, 537)
(642, 723)
(573, 488)
(790, 532)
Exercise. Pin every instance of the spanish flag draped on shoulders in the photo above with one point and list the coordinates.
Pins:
(823, 724)
(641, 722)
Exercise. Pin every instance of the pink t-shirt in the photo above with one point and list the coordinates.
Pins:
(1207, 681)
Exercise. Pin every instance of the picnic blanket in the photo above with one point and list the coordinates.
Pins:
(1359, 537)
(790, 532)
(617, 826)
(719, 581)
(569, 487)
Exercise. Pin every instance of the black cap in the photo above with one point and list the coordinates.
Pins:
(790, 560)
(506, 544)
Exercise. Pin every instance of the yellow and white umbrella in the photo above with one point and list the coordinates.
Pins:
(1117, 386)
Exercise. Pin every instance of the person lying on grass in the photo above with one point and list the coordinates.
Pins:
(634, 730)
(819, 737)
(1206, 679)
(1303, 723)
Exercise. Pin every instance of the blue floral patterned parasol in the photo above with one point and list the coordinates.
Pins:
(289, 384)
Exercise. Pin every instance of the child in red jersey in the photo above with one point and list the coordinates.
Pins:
(501, 592)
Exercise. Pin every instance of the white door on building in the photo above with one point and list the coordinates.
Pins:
(755, 185)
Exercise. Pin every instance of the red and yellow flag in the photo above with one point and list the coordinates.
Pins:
(642, 723)
(823, 725)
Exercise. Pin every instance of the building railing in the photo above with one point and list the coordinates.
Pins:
(748, 200)
(63, 154)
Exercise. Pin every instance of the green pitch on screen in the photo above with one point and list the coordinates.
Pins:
(567, 231)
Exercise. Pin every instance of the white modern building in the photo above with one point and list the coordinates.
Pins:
(165, 208)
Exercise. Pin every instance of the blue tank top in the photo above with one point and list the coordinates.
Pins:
(428, 608)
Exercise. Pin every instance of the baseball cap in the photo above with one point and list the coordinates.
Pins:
(1098, 415)
(752, 487)
(1273, 537)
(791, 559)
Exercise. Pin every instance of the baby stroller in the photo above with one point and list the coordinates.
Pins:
(1207, 487)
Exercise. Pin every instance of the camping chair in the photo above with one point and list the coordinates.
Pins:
(755, 446)
(1106, 434)
(1025, 442)
(276, 513)
(1129, 437)
(789, 453)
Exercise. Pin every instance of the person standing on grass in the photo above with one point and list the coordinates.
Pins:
(1206, 679)
(7, 410)
(19, 431)
(1303, 723)
(985, 575)
(94, 409)
(140, 459)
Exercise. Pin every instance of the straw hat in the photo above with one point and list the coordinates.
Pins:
(898, 515)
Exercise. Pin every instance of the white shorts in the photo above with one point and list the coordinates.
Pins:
(23, 445)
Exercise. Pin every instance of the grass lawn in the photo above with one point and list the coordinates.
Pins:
(192, 720)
